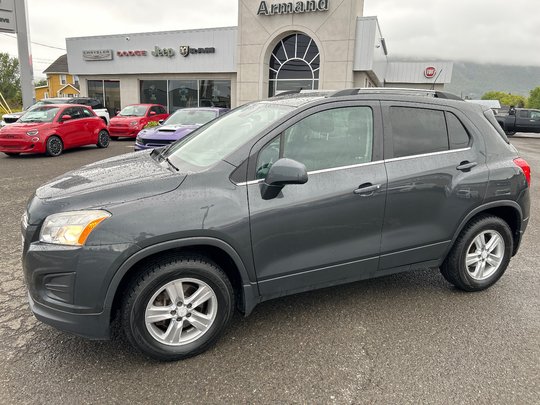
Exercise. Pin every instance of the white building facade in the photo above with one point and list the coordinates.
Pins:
(277, 46)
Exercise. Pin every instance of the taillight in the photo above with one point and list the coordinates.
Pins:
(525, 168)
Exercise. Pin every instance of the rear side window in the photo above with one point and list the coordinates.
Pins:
(87, 113)
(457, 134)
(417, 131)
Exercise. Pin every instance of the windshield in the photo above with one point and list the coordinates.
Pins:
(222, 137)
(190, 117)
(133, 111)
(40, 114)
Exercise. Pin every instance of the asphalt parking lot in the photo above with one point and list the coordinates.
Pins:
(409, 338)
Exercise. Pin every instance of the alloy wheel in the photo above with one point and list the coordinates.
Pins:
(485, 255)
(181, 311)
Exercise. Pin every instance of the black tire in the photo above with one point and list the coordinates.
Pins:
(141, 293)
(114, 138)
(103, 139)
(510, 133)
(12, 154)
(54, 146)
(454, 268)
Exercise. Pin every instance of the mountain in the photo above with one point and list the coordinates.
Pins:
(474, 79)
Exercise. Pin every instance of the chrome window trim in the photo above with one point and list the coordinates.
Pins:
(332, 169)
(427, 154)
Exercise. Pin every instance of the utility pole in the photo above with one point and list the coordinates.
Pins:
(14, 19)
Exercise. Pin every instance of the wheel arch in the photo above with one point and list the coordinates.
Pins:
(216, 250)
(507, 210)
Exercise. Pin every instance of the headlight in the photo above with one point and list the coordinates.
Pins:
(138, 139)
(32, 132)
(71, 228)
(133, 123)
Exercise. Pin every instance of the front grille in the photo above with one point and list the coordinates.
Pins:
(156, 143)
(11, 136)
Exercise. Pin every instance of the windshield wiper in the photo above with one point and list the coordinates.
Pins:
(172, 165)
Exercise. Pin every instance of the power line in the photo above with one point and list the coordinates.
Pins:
(35, 43)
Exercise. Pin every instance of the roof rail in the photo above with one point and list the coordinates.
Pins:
(395, 90)
(287, 92)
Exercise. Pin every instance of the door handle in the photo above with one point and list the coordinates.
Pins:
(466, 166)
(367, 189)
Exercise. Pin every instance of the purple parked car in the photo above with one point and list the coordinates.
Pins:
(176, 127)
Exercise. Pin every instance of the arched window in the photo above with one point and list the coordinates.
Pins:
(294, 65)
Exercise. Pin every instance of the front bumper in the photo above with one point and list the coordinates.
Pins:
(21, 144)
(125, 132)
(68, 286)
(91, 326)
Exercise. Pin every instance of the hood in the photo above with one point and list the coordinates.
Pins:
(116, 180)
(26, 126)
(169, 132)
(125, 120)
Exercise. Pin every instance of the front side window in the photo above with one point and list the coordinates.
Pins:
(417, 131)
(328, 139)
(73, 112)
(523, 114)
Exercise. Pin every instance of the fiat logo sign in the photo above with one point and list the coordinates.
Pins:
(430, 72)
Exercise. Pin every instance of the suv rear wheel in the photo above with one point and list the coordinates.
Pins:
(480, 255)
(177, 308)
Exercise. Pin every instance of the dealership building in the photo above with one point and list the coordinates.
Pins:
(277, 46)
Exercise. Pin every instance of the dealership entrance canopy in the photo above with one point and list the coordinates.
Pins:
(277, 46)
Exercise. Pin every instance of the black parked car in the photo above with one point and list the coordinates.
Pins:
(277, 197)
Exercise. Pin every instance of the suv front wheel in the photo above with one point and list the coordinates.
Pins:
(177, 308)
(480, 255)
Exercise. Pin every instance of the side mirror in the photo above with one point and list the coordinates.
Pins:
(152, 113)
(284, 171)
(512, 111)
(160, 122)
(65, 117)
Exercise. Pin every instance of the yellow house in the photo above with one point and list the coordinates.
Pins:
(59, 82)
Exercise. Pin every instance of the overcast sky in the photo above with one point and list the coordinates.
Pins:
(491, 31)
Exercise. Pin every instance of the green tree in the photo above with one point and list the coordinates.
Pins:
(42, 82)
(534, 98)
(506, 98)
(10, 80)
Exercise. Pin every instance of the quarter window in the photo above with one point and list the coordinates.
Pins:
(328, 139)
(457, 134)
(417, 131)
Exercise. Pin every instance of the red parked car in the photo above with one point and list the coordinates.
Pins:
(52, 128)
(134, 117)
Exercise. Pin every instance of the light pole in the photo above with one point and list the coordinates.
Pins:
(14, 19)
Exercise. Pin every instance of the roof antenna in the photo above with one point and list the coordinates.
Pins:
(435, 81)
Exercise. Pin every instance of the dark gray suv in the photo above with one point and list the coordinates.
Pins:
(277, 197)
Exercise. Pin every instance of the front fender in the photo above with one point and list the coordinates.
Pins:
(249, 288)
